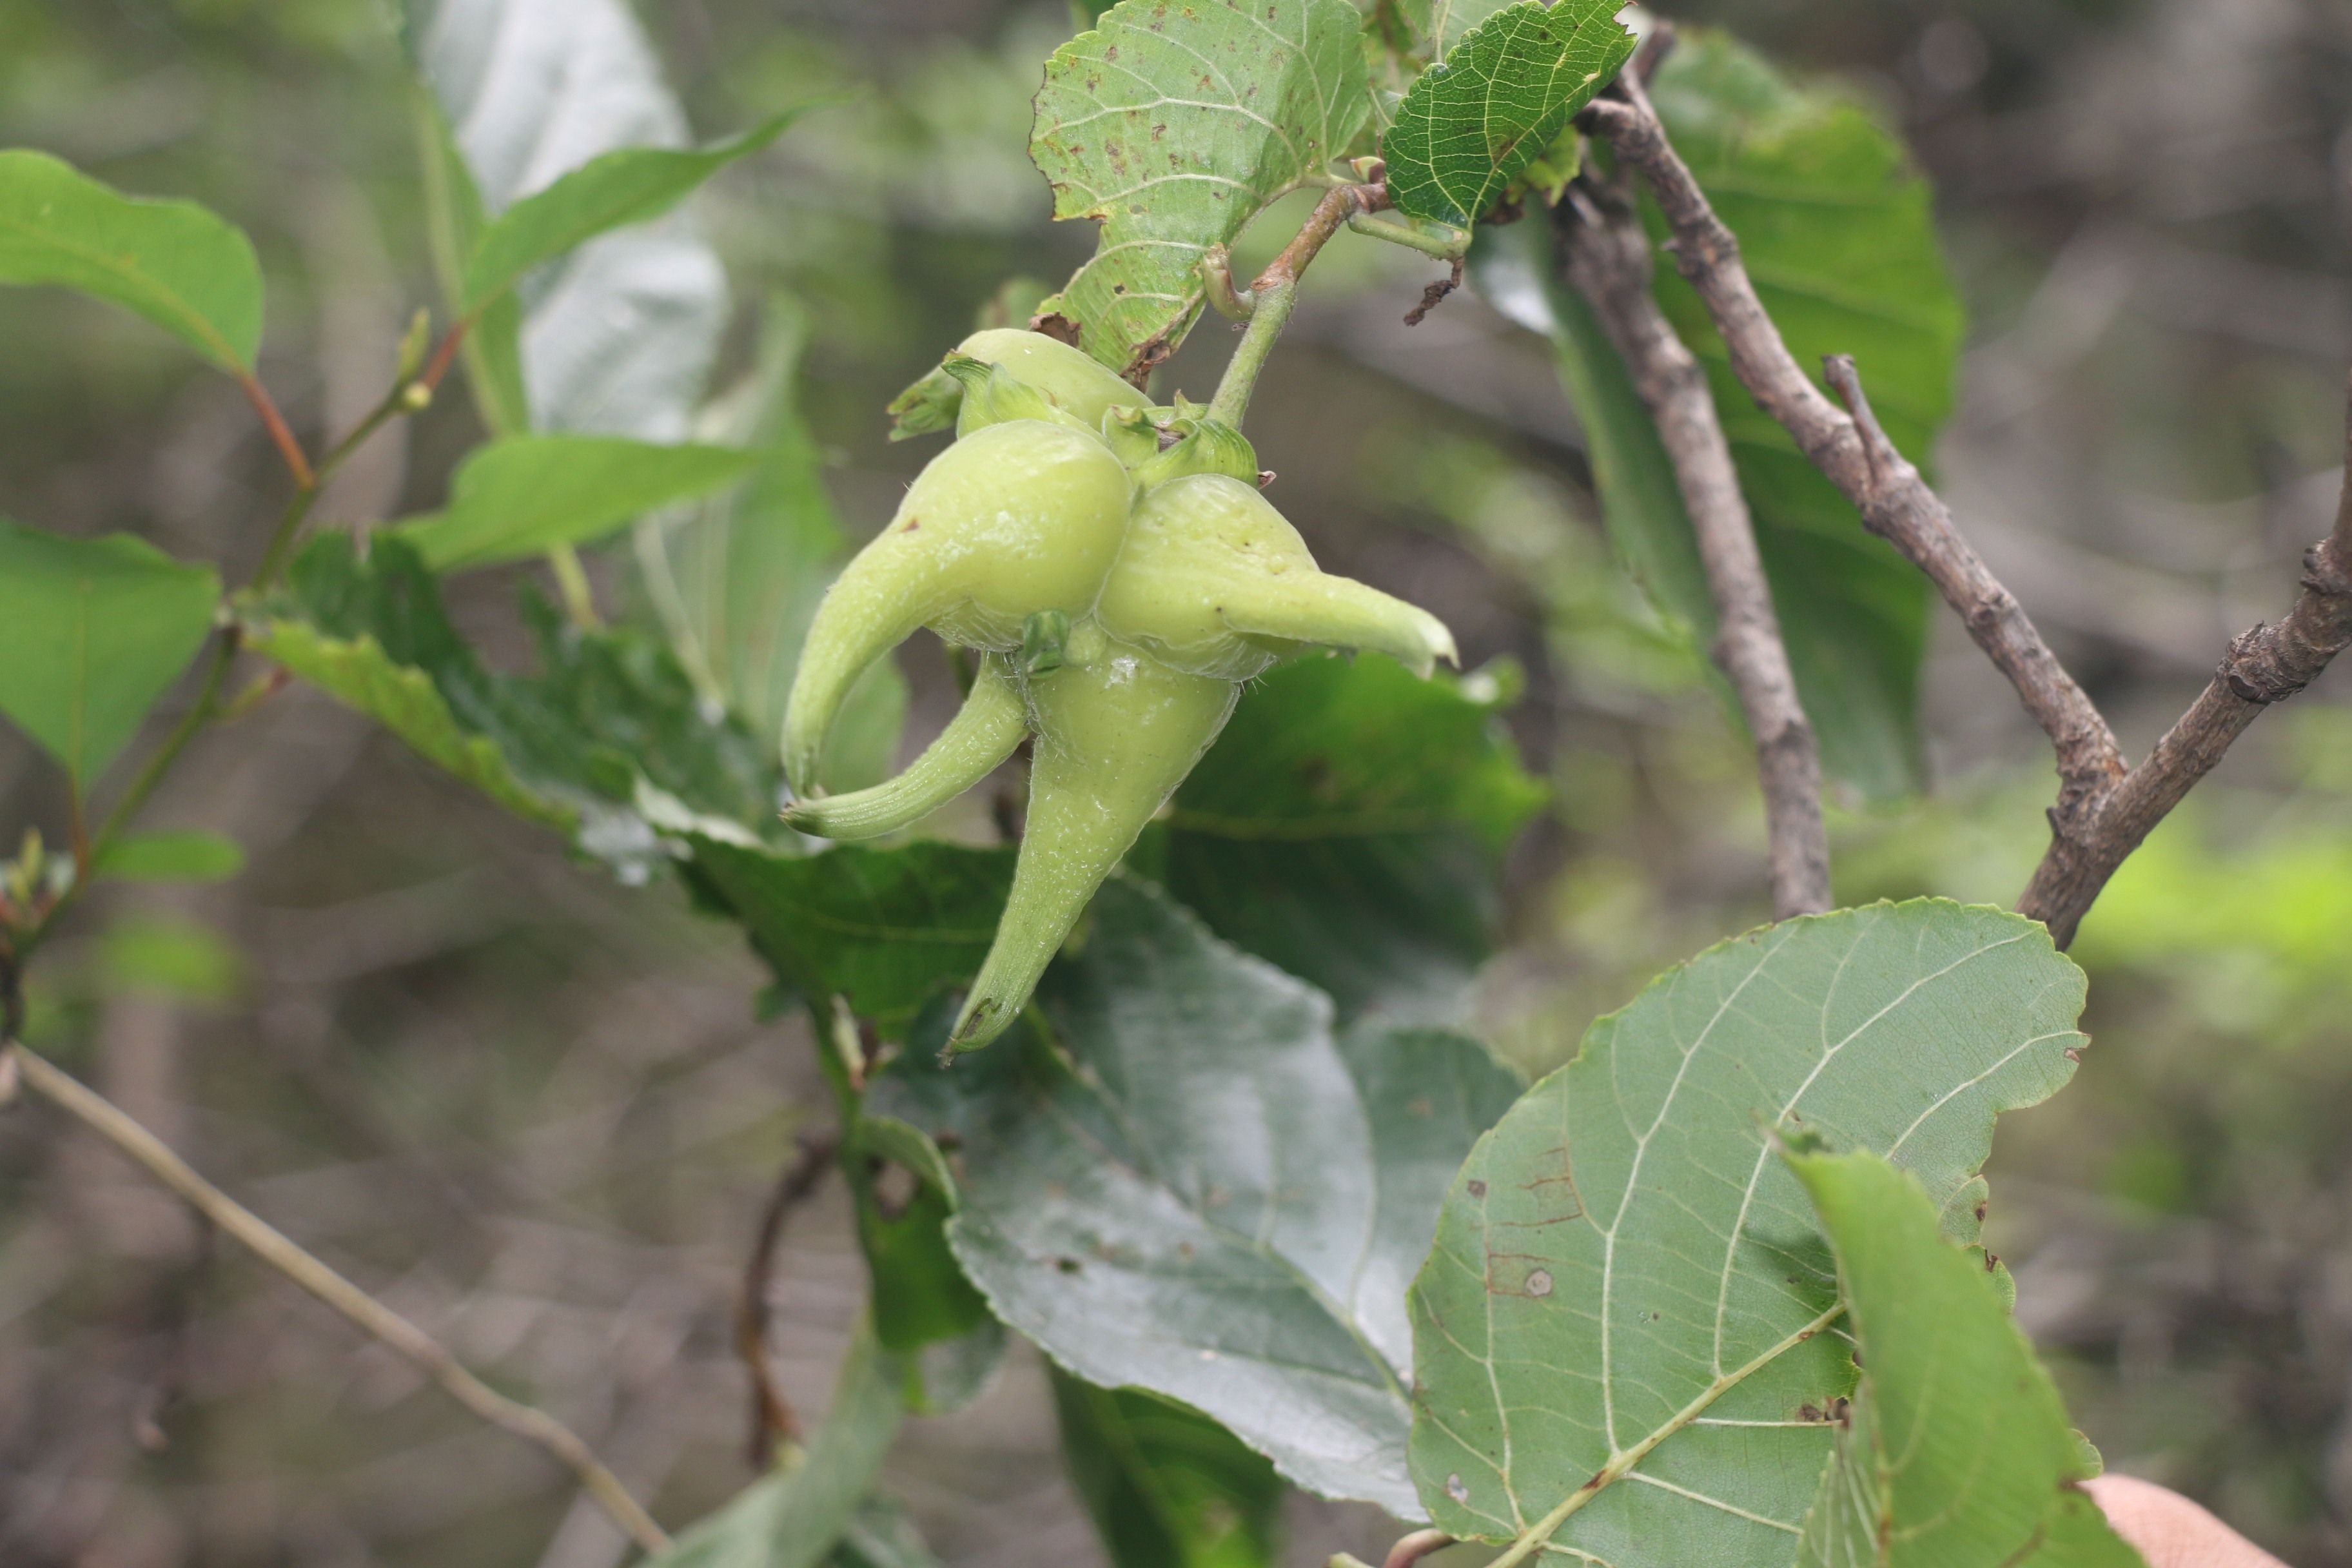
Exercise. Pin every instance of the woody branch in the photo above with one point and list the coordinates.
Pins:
(2105, 809)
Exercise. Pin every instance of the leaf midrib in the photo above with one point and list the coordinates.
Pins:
(192, 320)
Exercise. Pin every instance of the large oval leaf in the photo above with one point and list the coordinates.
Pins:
(172, 262)
(1620, 1330)
(1197, 1189)
(92, 631)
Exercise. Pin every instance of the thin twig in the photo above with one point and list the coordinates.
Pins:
(2265, 665)
(1277, 290)
(1895, 502)
(771, 1413)
(102, 1117)
(1605, 257)
(2104, 811)
(281, 436)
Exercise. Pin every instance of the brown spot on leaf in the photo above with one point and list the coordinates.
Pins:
(1477, 1189)
(1056, 326)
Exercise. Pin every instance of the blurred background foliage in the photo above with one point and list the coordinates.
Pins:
(534, 1110)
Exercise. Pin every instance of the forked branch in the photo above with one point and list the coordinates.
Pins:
(2103, 810)
(102, 1117)
(2265, 665)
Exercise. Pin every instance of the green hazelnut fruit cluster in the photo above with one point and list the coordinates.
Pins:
(1121, 577)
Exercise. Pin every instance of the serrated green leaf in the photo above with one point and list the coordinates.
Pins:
(1175, 122)
(92, 631)
(1347, 825)
(1472, 122)
(792, 1519)
(172, 857)
(608, 728)
(516, 497)
(889, 929)
(614, 190)
(1196, 1189)
(1956, 1449)
(1838, 232)
(359, 673)
(1168, 1487)
(617, 337)
(1629, 1288)
(1443, 22)
(172, 262)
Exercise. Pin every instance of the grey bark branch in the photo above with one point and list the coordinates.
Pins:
(2103, 810)
(109, 1122)
(1895, 502)
(2265, 665)
(1605, 257)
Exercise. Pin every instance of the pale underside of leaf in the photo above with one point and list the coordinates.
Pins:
(1175, 122)
(1625, 1334)
(618, 337)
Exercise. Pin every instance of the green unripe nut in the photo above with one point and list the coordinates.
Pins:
(1114, 737)
(1015, 519)
(1213, 580)
(994, 395)
(1073, 381)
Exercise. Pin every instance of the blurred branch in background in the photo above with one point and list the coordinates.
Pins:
(1605, 256)
(370, 1316)
(773, 1417)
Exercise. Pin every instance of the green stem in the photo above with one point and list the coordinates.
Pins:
(1450, 246)
(572, 584)
(1271, 305)
(1277, 290)
(281, 539)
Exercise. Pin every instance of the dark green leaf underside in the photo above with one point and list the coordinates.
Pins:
(1838, 232)
(1196, 1189)
(1347, 826)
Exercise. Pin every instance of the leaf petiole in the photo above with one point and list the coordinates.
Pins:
(1452, 245)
